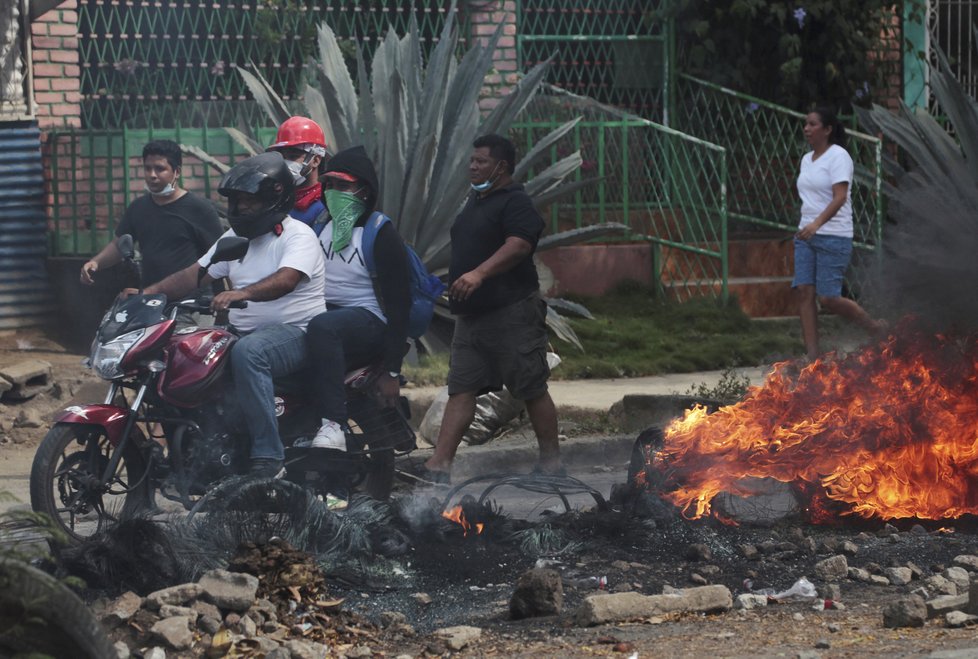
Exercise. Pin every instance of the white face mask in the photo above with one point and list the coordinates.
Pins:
(295, 168)
(167, 190)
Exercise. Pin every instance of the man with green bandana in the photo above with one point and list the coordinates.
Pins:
(366, 317)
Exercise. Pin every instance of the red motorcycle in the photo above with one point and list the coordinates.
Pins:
(166, 426)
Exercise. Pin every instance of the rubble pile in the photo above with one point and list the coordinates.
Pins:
(30, 390)
(24, 380)
(271, 602)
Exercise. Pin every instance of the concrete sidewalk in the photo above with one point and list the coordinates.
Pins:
(600, 395)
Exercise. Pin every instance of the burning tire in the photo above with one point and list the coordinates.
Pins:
(65, 481)
(39, 616)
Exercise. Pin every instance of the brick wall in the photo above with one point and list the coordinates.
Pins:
(504, 74)
(54, 43)
(888, 62)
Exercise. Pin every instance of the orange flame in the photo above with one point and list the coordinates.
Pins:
(891, 431)
(456, 515)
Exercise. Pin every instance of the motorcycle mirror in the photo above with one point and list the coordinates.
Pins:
(230, 248)
(125, 246)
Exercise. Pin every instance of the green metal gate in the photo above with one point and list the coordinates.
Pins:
(666, 186)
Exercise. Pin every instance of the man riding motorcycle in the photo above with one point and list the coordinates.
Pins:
(282, 280)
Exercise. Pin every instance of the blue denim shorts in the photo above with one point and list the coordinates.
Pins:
(822, 261)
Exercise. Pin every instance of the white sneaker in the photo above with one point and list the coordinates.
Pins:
(329, 435)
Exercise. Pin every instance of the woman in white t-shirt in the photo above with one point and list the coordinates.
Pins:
(823, 244)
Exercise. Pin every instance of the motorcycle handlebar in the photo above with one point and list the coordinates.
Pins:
(202, 305)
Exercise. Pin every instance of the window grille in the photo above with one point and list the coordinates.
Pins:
(951, 27)
(163, 63)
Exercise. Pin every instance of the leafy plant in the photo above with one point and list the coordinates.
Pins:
(731, 388)
(22, 529)
(417, 120)
(929, 266)
(277, 20)
(793, 52)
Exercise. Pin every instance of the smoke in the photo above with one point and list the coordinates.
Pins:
(928, 266)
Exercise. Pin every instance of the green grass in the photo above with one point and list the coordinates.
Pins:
(635, 334)
(430, 370)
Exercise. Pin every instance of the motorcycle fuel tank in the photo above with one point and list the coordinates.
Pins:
(195, 363)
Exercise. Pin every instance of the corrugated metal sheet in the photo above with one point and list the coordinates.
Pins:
(25, 296)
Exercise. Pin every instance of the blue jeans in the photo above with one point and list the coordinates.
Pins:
(822, 261)
(340, 340)
(257, 358)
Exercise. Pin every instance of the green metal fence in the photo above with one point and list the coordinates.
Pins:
(147, 63)
(609, 50)
(667, 187)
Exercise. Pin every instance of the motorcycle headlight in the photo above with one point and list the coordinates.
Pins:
(106, 357)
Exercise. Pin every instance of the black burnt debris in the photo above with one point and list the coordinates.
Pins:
(264, 567)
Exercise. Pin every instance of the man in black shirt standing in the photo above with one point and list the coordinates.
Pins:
(172, 226)
(500, 333)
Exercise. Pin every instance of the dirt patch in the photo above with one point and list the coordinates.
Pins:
(68, 380)
(471, 583)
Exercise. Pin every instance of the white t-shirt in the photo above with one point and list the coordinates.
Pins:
(348, 282)
(296, 248)
(815, 183)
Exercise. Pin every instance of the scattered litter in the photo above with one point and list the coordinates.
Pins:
(803, 588)
(828, 604)
(601, 583)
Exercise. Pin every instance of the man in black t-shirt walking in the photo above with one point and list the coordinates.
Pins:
(500, 333)
(172, 226)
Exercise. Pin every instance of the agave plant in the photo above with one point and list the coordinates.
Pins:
(418, 122)
(929, 267)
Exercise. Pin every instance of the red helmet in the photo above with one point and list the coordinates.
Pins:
(300, 132)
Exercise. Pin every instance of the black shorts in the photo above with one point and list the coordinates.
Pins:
(505, 347)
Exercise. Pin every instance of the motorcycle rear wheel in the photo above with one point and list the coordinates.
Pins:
(64, 477)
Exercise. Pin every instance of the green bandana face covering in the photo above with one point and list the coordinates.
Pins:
(344, 209)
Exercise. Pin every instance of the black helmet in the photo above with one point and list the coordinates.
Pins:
(266, 176)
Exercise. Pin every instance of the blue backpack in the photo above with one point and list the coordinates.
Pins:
(425, 288)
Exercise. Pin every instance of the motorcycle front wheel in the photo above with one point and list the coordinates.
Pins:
(65, 481)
